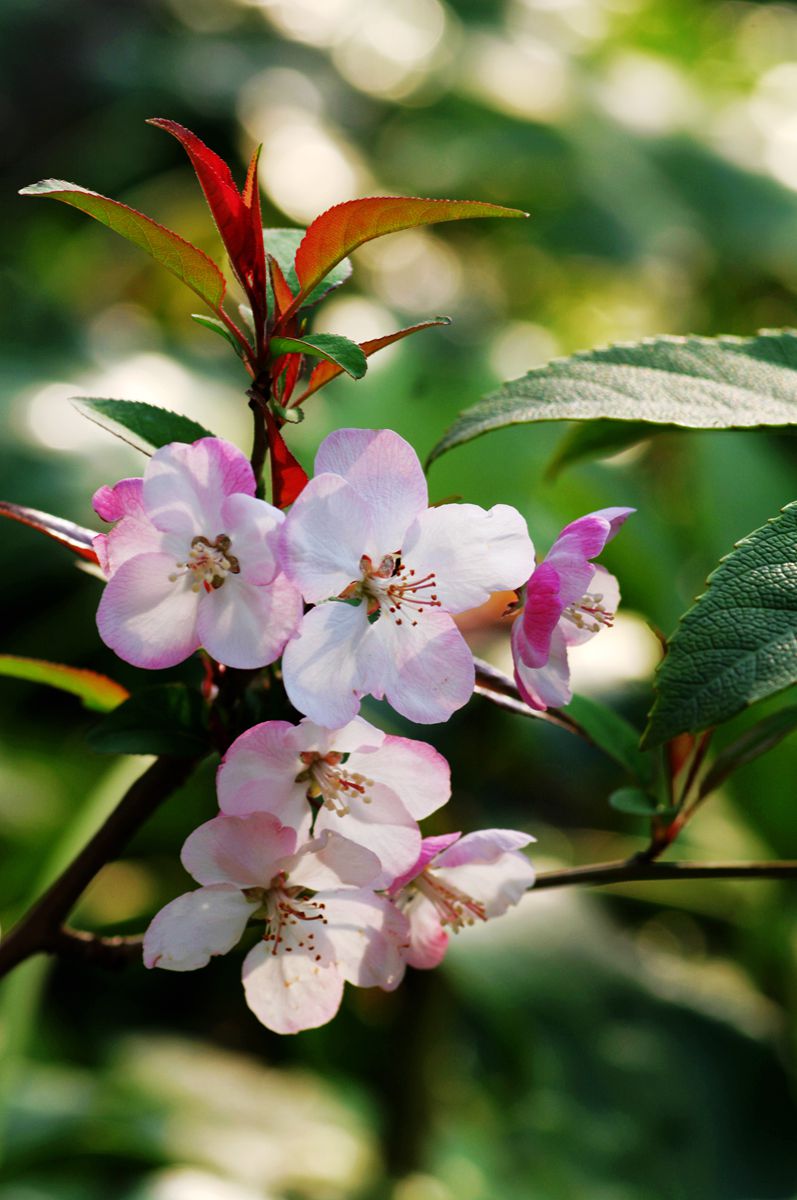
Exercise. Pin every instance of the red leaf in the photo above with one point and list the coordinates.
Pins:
(251, 199)
(288, 478)
(74, 537)
(343, 228)
(324, 371)
(283, 296)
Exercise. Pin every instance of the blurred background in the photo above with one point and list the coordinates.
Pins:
(620, 1045)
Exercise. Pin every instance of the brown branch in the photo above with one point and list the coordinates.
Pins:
(40, 928)
(497, 687)
(94, 948)
(636, 870)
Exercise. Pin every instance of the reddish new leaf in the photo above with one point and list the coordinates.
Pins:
(75, 537)
(97, 691)
(343, 228)
(325, 371)
(283, 296)
(288, 478)
(187, 262)
(251, 199)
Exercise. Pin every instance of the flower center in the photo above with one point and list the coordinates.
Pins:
(455, 908)
(588, 613)
(328, 783)
(289, 920)
(392, 589)
(209, 562)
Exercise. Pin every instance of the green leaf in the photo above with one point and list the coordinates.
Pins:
(613, 734)
(597, 439)
(96, 691)
(168, 718)
(282, 245)
(217, 326)
(191, 265)
(635, 801)
(144, 426)
(738, 643)
(330, 346)
(751, 745)
(689, 382)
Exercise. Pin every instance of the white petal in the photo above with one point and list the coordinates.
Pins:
(246, 851)
(420, 777)
(369, 935)
(328, 666)
(290, 992)
(383, 826)
(258, 774)
(187, 933)
(243, 625)
(357, 735)
(471, 552)
(482, 846)
(497, 884)
(185, 485)
(253, 527)
(330, 860)
(148, 619)
(548, 686)
(324, 538)
(428, 938)
(427, 670)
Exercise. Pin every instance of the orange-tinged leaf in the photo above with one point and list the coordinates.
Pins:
(75, 537)
(96, 691)
(343, 228)
(283, 296)
(325, 371)
(191, 265)
(251, 199)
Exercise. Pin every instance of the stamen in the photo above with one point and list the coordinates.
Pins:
(209, 562)
(455, 908)
(331, 785)
(588, 613)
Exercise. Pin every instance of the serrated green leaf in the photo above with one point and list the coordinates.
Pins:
(190, 264)
(751, 745)
(686, 382)
(329, 346)
(597, 439)
(282, 245)
(144, 426)
(633, 800)
(613, 734)
(97, 691)
(217, 326)
(168, 718)
(738, 643)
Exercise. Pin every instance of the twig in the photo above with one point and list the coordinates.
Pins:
(494, 685)
(40, 927)
(94, 948)
(635, 870)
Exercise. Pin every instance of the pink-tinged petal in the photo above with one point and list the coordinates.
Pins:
(242, 625)
(124, 499)
(470, 551)
(146, 618)
(496, 885)
(420, 777)
(427, 670)
(548, 686)
(135, 533)
(258, 774)
(541, 614)
(329, 665)
(430, 848)
(253, 527)
(290, 992)
(428, 938)
(613, 517)
(383, 826)
(245, 851)
(187, 933)
(483, 846)
(185, 485)
(330, 860)
(324, 537)
(369, 935)
(385, 471)
(603, 585)
(358, 735)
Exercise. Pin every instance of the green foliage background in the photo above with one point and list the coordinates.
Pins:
(617, 1046)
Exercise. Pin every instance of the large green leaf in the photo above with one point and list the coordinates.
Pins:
(168, 718)
(189, 264)
(329, 346)
(738, 643)
(691, 382)
(144, 426)
(282, 245)
(95, 690)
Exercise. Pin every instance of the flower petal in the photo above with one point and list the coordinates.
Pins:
(604, 585)
(148, 619)
(472, 552)
(187, 933)
(185, 485)
(134, 534)
(288, 993)
(547, 686)
(332, 859)
(428, 938)
(383, 826)
(325, 535)
(430, 848)
(245, 851)
(243, 625)
(386, 473)
(483, 846)
(420, 777)
(427, 670)
(358, 735)
(253, 527)
(258, 774)
(497, 885)
(329, 665)
(369, 935)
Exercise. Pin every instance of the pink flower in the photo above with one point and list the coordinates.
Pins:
(362, 535)
(458, 881)
(568, 600)
(319, 933)
(192, 561)
(369, 786)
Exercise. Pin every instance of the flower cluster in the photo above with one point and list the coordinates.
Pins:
(317, 838)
